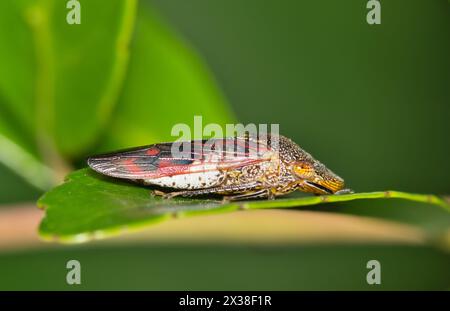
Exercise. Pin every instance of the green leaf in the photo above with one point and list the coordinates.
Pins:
(58, 82)
(80, 68)
(167, 83)
(17, 68)
(18, 149)
(89, 62)
(17, 154)
(89, 206)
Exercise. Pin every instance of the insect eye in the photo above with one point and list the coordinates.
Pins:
(303, 169)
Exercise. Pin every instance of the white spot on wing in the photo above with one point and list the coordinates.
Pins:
(188, 181)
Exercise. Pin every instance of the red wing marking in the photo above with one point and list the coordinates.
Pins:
(131, 166)
(153, 151)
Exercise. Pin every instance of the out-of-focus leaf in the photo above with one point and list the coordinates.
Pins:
(166, 84)
(58, 82)
(15, 189)
(16, 154)
(81, 67)
(17, 68)
(90, 206)
(18, 149)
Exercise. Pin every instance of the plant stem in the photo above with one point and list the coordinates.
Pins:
(425, 198)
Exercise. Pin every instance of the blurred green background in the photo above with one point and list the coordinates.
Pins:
(372, 102)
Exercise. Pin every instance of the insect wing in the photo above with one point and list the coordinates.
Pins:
(169, 159)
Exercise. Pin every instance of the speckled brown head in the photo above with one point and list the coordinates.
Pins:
(312, 175)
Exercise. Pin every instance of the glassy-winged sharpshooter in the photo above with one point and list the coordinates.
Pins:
(237, 168)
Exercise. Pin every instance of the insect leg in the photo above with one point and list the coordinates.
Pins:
(263, 193)
(169, 195)
(221, 190)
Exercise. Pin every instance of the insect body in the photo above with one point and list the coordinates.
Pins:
(236, 168)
